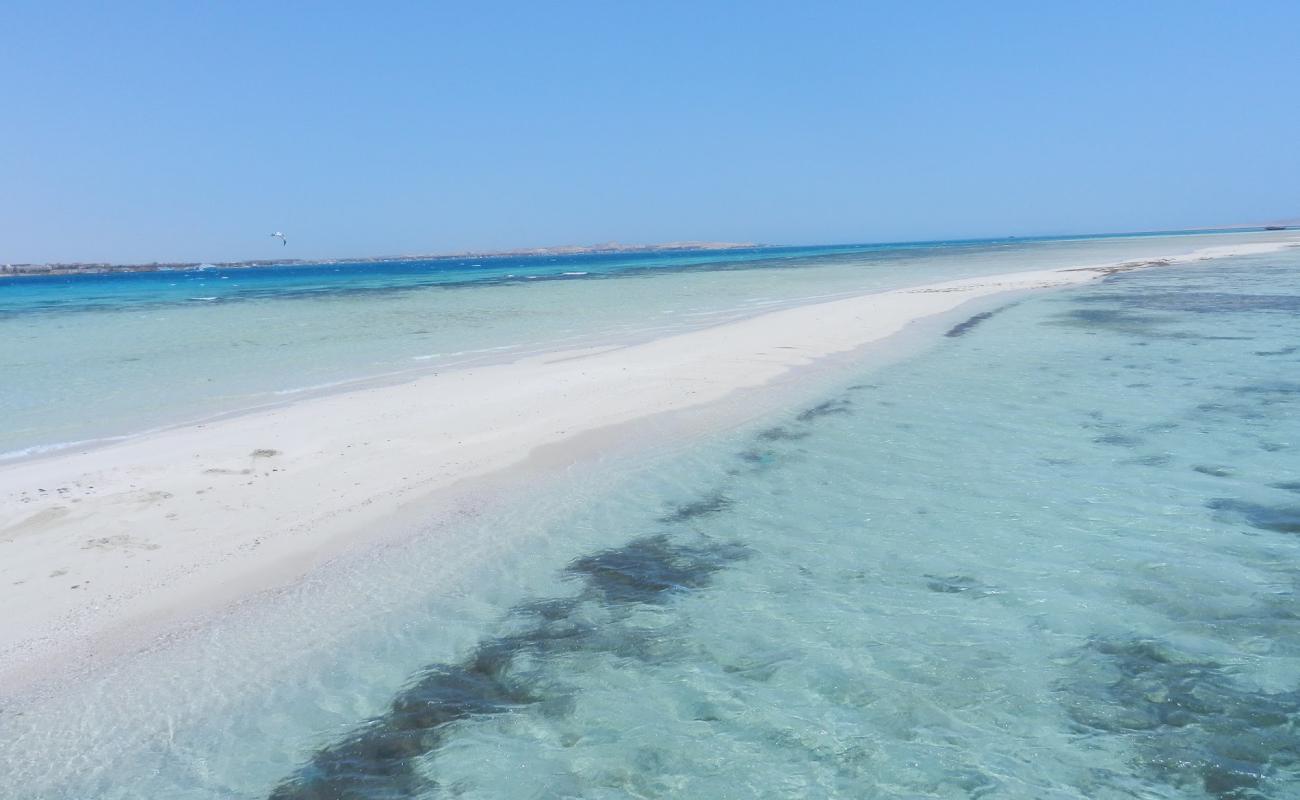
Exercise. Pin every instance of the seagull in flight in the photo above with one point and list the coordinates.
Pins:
(280, 236)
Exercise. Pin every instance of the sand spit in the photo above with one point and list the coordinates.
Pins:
(122, 542)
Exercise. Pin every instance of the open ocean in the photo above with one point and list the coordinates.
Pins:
(1056, 554)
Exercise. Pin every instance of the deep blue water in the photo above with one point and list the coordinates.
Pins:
(121, 290)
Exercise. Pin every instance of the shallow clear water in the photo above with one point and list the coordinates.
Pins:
(92, 356)
(1055, 556)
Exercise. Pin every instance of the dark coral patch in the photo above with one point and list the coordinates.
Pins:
(380, 758)
(965, 327)
(1213, 470)
(825, 409)
(715, 503)
(957, 584)
(1118, 440)
(780, 434)
(1284, 351)
(1196, 729)
(1280, 519)
(646, 569)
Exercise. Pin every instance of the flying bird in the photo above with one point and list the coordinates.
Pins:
(280, 236)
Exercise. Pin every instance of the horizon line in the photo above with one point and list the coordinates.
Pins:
(613, 247)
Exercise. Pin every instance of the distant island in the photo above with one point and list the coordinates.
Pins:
(561, 250)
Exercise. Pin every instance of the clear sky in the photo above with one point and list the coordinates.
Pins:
(189, 131)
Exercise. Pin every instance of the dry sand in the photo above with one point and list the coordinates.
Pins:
(120, 542)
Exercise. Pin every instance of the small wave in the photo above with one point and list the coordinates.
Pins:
(205, 299)
(575, 273)
(315, 387)
(41, 449)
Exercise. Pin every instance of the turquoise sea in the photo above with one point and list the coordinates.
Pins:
(1055, 554)
(89, 357)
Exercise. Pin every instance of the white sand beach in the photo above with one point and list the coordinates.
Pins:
(105, 549)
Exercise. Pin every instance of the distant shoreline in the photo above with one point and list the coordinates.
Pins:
(607, 248)
(94, 268)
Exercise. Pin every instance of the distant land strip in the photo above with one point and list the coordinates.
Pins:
(561, 250)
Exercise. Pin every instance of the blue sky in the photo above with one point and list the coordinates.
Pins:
(190, 131)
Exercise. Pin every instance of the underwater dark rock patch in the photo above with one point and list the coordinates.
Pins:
(1157, 460)
(1118, 319)
(968, 325)
(715, 503)
(1213, 470)
(963, 328)
(1280, 519)
(1118, 440)
(1236, 409)
(645, 569)
(1194, 726)
(1160, 427)
(780, 434)
(1198, 302)
(1209, 302)
(957, 584)
(1125, 320)
(379, 759)
(825, 409)
(758, 458)
(1276, 388)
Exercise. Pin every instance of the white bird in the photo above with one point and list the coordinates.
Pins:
(280, 236)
